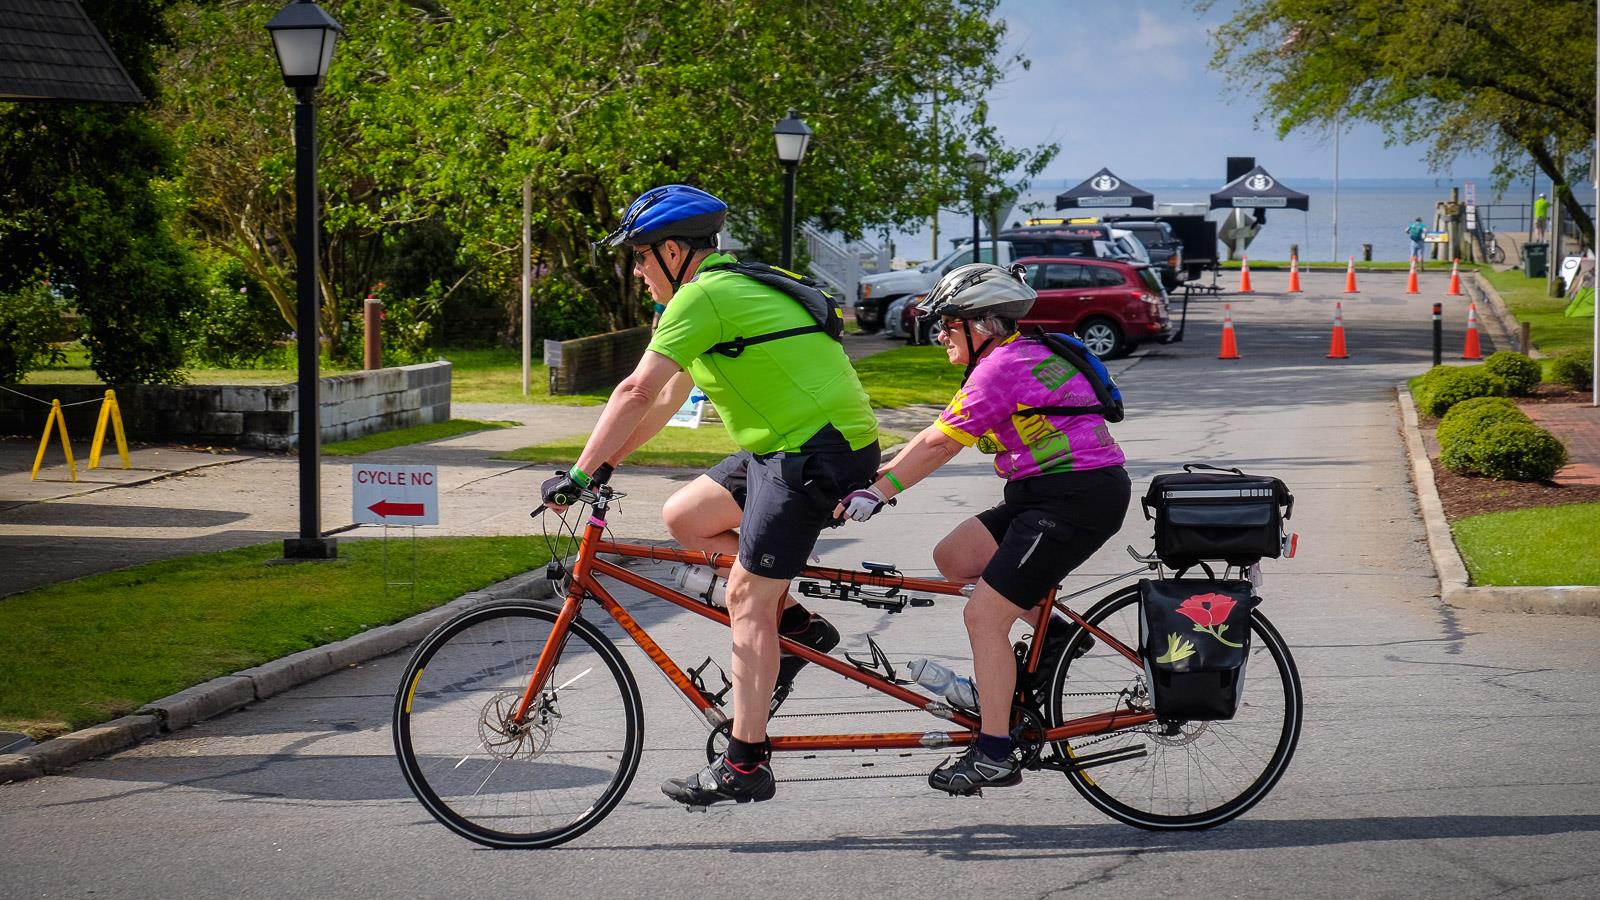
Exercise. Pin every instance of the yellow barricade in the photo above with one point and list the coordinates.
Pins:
(58, 419)
(109, 411)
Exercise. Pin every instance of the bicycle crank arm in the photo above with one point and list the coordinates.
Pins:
(1106, 757)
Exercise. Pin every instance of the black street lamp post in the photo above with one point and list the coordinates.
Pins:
(792, 136)
(977, 167)
(304, 36)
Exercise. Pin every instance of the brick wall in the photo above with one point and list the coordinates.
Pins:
(598, 362)
(260, 416)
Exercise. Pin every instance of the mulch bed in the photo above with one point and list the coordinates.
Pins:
(1471, 495)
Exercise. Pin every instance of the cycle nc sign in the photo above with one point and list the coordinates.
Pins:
(395, 495)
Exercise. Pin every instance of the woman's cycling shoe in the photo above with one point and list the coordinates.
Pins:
(720, 782)
(973, 772)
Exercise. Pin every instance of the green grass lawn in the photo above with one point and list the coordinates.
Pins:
(84, 651)
(1525, 297)
(908, 375)
(683, 448)
(420, 434)
(1543, 546)
(1401, 265)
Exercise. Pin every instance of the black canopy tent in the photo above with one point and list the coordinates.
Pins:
(1103, 189)
(1256, 189)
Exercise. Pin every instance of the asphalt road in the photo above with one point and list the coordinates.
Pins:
(1446, 753)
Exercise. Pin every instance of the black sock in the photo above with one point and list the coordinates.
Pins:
(794, 619)
(993, 747)
(746, 755)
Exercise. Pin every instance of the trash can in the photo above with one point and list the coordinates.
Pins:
(1536, 260)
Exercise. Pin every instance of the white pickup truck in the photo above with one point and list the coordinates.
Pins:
(878, 291)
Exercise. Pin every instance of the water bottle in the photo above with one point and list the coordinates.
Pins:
(702, 582)
(958, 690)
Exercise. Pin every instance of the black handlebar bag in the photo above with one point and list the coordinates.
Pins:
(1217, 514)
(1194, 638)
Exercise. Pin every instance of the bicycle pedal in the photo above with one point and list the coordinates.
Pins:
(694, 809)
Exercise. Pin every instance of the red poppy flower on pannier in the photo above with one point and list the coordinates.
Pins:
(1207, 609)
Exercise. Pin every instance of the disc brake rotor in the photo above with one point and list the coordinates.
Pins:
(509, 741)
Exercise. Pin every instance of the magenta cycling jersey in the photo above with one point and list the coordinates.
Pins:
(1020, 374)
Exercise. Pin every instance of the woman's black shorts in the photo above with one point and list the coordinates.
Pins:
(1049, 525)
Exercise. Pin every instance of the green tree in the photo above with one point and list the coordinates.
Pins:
(1514, 78)
(436, 110)
(82, 206)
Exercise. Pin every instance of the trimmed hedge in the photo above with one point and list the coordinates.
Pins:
(1475, 415)
(1509, 450)
(1445, 386)
(1520, 373)
(1574, 368)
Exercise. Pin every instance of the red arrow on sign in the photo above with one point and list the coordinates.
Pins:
(385, 509)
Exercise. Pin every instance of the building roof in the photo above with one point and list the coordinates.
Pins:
(50, 50)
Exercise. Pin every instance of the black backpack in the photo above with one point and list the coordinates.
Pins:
(1106, 392)
(819, 303)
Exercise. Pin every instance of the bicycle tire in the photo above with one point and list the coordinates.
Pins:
(1205, 773)
(545, 785)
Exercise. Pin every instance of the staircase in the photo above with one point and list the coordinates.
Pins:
(840, 266)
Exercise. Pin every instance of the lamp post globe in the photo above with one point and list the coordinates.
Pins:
(792, 137)
(977, 167)
(304, 36)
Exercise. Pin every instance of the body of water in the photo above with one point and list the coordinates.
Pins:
(1369, 212)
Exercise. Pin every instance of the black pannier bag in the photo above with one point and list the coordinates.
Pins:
(1194, 638)
(1219, 514)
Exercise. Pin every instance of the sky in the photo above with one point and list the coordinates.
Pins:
(1129, 85)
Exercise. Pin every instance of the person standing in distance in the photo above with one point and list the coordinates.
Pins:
(1415, 232)
(807, 434)
(1541, 214)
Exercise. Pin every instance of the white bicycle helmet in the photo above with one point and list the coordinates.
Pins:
(976, 290)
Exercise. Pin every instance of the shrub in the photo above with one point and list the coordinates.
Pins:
(1574, 368)
(235, 323)
(1442, 390)
(1521, 374)
(1509, 450)
(1475, 415)
(29, 319)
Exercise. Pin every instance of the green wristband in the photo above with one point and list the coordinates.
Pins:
(898, 487)
(577, 475)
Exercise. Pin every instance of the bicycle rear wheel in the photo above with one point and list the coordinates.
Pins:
(1193, 774)
(536, 785)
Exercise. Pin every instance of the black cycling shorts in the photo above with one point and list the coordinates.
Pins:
(1049, 525)
(787, 499)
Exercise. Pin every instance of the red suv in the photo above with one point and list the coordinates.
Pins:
(1111, 305)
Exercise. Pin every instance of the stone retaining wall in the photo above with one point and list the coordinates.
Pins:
(598, 362)
(263, 416)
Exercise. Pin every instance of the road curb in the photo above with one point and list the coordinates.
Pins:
(1455, 587)
(231, 692)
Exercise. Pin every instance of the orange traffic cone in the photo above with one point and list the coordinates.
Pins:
(1350, 278)
(1230, 347)
(1471, 351)
(1244, 277)
(1294, 275)
(1411, 283)
(1336, 348)
(1455, 281)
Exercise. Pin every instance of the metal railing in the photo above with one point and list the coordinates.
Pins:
(839, 266)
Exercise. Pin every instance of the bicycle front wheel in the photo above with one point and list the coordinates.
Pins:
(1191, 775)
(497, 782)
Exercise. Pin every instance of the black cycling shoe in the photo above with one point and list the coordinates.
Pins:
(973, 772)
(721, 782)
(818, 634)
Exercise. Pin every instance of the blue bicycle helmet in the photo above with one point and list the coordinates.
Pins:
(671, 211)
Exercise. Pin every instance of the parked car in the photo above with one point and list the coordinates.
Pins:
(899, 321)
(1166, 251)
(1112, 305)
(877, 292)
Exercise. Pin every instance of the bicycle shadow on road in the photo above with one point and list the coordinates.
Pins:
(995, 841)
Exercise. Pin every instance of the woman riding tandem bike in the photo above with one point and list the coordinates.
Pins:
(1066, 490)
